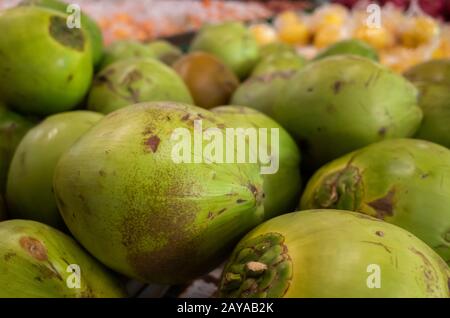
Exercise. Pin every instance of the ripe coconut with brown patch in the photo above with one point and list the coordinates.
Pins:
(37, 261)
(45, 67)
(87, 23)
(210, 82)
(405, 182)
(131, 81)
(145, 192)
(231, 42)
(333, 254)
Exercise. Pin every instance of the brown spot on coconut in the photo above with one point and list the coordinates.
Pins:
(158, 213)
(384, 206)
(71, 37)
(153, 143)
(135, 80)
(34, 247)
(398, 178)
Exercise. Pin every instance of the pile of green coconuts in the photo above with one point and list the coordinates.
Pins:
(87, 178)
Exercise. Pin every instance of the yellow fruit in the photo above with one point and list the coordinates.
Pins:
(379, 38)
(333, 18)
(443, 50)
(427, 28)
(287, 18)
(330, 17)
(399, 59)
(296, 33)
(330, 14)
(327, 35)
(263, 33)
(393, 19)
(421, 31)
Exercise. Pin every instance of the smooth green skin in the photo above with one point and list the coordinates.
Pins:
(279, 62)
(232, 43)
(12, 128)
(30, 179)
(164, 51)
(416, 174)
(342, 103)
(435, 71)
(334, 249)
(262, 92)
(275, 49)
(38, 74)
(282, 188)
(2, 200)
(87, 23)
(268, 79)
(126, 49)
(136, 210)
(354, 47)
(136, 80)
(34, 261)
(435, 103)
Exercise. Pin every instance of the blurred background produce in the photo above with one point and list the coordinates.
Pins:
(411, 31)
(89, 119)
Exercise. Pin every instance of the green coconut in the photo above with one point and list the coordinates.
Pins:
(275, 48)
(135, 80)
(232, 43)
(46, 68)
(30, 179)
(87, 23)
(122, 50)
(353, 46)
(262, 89)
(279, 62)
(435, 103)
(210, 82)
(279, 198)
(139, 195)
(12, 128)
(126, 49)
(164, 51)
(405, 182)
(333, 254)
(37, 261)
(435, 71)
(338, 104)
